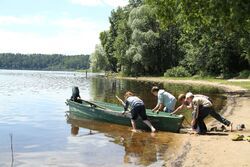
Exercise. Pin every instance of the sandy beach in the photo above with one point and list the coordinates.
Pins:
(215, 148)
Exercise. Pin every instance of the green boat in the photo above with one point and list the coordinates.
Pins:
(113, 113)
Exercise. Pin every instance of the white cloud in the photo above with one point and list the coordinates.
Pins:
(113, 3)
(65, 42)
(77, 23)
(70, 36)
(8, 20)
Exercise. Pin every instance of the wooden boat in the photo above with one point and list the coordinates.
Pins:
(113, 113)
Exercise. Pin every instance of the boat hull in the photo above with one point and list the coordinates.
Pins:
(113, 113)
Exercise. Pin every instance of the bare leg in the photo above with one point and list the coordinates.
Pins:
(149, 125)
(133, 125)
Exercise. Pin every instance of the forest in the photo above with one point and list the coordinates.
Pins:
(176, 38)
(43, 61)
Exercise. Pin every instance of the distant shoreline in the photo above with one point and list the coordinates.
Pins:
(67, 70)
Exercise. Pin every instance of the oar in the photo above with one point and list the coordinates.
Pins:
(94, 104)
(120, 100)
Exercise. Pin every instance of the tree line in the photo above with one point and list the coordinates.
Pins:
(43, 61)
(178, 38)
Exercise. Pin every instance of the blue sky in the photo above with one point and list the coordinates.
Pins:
(53, 26)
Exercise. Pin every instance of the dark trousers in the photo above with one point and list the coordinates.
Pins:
(200, 125)
(139, 111)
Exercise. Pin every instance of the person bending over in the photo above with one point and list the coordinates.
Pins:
(202, 107)
(185, 105)
(137, 109)
(166, 101)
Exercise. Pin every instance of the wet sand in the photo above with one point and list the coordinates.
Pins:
(215, 148)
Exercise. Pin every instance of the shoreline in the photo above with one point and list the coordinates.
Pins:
(215, 148)
(224, 87)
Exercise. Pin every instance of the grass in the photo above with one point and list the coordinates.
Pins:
(245, 85)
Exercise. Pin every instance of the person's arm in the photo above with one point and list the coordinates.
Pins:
(156, 107)
(125, 106)
(188, 106)
(161, 106)
(195, 114)
(181, 107)
(193, 122)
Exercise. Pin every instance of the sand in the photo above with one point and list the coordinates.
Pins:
(215, 148)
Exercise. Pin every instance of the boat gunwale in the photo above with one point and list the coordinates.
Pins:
(110, 111)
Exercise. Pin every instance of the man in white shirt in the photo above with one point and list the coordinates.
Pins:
(166, 101)
(202, 107)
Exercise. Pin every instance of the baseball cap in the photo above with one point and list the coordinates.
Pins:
(189, 94)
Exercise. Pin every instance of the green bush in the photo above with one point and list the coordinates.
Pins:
(178, 71)
(244, 74)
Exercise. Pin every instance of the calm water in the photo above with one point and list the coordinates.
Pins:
(32, 109)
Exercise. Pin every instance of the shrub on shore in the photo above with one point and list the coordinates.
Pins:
(178, 71)
(244, 74)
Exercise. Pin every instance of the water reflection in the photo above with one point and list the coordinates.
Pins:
(142, 150)
(139, 148)
(105, 89)
(74, 130)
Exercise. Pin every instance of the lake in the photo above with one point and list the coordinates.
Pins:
(33, 111)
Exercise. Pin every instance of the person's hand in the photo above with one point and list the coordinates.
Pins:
(172, 113)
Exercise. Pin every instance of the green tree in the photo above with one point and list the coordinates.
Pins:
(145, 38)
(99, 60)
(214, 34)
(43, 62)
